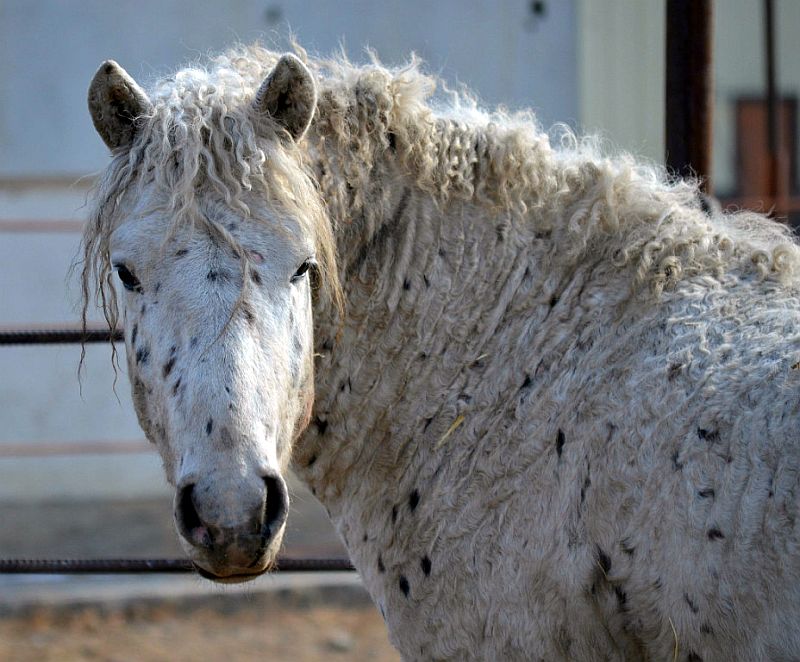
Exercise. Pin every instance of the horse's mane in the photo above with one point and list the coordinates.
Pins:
(590, 199)
(200, 129)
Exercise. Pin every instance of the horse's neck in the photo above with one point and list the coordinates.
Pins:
(427, 289)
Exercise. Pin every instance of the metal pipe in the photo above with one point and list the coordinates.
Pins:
(774, 179)
(57, 336)
(689, 89)
(137, 566)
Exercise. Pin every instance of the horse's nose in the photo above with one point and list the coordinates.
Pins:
(217, 514)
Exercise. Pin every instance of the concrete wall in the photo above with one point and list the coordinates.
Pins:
(621, 71)
(49, 50)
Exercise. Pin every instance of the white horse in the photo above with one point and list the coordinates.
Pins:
(555, 403)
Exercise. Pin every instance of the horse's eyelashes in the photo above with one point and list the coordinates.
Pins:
(301, 271)
(129, 281)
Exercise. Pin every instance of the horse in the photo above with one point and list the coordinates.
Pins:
(548, 399)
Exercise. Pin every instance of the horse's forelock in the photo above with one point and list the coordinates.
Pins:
(199, 135)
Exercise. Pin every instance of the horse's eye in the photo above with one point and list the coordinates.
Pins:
(129, 281)
(302, 270)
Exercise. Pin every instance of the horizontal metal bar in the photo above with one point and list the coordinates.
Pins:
(51, 449)
(40, 226)
(57, 336)
(136, 566)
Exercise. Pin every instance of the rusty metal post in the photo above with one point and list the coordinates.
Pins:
(776, 177)
(689, 89)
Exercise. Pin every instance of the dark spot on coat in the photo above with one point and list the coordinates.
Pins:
(413, 500)
(392, 140)
(134, 333)
(560, 442)
(526, 383)
(168, 367)
(657, 584)
(394, 514)
(255, 277)
(626, 546)
(706, 493)
(143, 309)
(327, 345)
(321, 425)
(428, 422)
(715, 534)
(212, 275)
(500, 233)
(692, 606)
(442, 252)
(176, 386)
(674, 370)
(143, 355)
(426, 281)
(622, 598)
(676, 465)
(209, 425)
(157, 288)
(381, 567)
(181, 252)
(705, 628)
(403, 583)
(193, 341)
(311, 461)
(406, 284)
(603, 560)
(708, 435)
(587, 483)
(425, 564)
(693, 657)
(364, 538)
(553, 300)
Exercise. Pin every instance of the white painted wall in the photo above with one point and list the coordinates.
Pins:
(621, 60)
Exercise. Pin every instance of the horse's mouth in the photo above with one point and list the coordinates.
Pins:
(236, 578)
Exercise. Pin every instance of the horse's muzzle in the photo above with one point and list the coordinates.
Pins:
(232, 529)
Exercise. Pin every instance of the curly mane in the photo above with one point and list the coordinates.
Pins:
(200, 130)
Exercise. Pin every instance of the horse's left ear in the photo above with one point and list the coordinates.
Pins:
(288, 95)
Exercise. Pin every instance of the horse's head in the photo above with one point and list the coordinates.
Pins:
(215, 231)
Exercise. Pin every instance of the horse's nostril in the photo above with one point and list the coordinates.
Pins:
(190, 525)
(277, 505)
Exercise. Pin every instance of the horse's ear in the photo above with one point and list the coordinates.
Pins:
(115, 102)
(288, 95)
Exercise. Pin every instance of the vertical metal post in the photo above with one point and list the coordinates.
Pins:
(775, 179)
(689, 93)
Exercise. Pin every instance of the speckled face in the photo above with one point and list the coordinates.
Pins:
(219, 354)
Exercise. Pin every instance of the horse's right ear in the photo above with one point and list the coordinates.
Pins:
(288, 96)
(115, 102)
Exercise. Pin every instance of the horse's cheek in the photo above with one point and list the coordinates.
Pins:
(307, 407)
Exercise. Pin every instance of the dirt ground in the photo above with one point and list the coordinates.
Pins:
(242, 628)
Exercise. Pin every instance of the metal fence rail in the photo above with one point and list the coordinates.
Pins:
(138, 566)
(57, 336)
